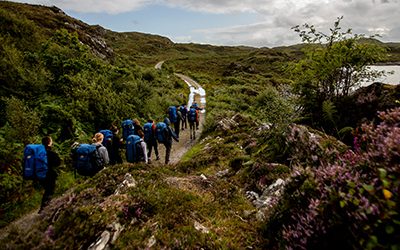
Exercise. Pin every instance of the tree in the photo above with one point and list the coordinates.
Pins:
(332, 67)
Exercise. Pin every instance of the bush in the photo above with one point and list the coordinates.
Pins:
(355, 200)
(24, 122)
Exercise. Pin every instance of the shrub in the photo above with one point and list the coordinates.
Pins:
(355, 200)
(24, 122)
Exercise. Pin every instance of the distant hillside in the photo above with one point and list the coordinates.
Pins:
(146, 49)
(50, 19)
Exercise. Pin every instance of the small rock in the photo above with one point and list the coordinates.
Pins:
(201, 228)
(260, 215)
(101, 242)
(222, 173)
(251, 195)
(127, 183)
(265, 126)
(152, 241)
(247, 213)
(117, 229)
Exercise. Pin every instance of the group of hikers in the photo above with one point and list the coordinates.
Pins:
(40, 161)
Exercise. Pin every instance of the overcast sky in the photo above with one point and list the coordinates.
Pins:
(258, 23)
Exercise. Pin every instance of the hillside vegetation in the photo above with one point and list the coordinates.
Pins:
(262, 175)
(59, 77)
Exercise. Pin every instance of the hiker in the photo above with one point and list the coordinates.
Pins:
(107, 142)
(138, 128)
(53, 162)
(136, 150)
(177, 124)
(196, 106)
(89, 159)
(150, 138)
(193, 118)
(97, 140)
(114, 154)
(128, 128)
(165, 136)
(173, 117)
(184, 112)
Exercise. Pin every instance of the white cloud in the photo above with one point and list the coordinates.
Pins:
(363, 16)
(276, 17)
(94, 6)
(216, 6)
(258, 35)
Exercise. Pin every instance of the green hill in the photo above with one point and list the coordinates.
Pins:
(59, 77)
(261, 176)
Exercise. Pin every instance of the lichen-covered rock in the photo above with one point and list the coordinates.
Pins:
(268, 199)
(127, 183)
(109, 236)
(227, 124)
(308, 147)
(201, 228)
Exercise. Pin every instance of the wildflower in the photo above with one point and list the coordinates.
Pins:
(387, 194)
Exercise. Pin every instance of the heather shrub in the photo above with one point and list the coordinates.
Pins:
(353, 202)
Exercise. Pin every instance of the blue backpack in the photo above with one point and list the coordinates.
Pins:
(161, 130)
(192, 115)
(35, 162)
(108, 137)
(127, 128)
(89, 160)
(148, 131)
(173, 116)
(134, 150)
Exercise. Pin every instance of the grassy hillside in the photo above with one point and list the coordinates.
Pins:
(58, 77)
(256, 179)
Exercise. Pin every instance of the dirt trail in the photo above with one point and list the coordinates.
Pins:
(185, 143)
(24, 223)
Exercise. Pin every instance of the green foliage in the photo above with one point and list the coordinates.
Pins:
(329, 112)
(19, 28)
(51, 83)
(351, 202)
(270, 105)
(332, 68)
(164, 205)
(24, 122)
(55, 76)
